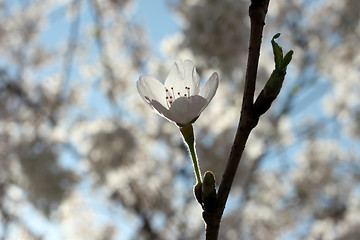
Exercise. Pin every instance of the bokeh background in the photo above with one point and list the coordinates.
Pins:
(82, 157)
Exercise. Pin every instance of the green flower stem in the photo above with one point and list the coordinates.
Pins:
(188, 135)
(195, 163)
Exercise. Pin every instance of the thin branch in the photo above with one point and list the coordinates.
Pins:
(100, 43)
(72, 44)
(257, 13)
(68, 60)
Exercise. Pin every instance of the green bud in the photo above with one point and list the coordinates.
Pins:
(209, 196)
(208, 186)
(277, 50)
(287, 59)
(274, 84)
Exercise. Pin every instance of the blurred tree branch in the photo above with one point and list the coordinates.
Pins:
(100, 42)
(68, 60)
(71, 47)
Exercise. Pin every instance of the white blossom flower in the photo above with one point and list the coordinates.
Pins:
(180, 98)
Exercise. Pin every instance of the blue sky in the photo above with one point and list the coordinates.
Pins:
(157, 18)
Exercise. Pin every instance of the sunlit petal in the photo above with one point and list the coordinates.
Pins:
(192, 78)
(209, 89)
(183, 74)
(151, 89)
(197, 104)
(160, 109)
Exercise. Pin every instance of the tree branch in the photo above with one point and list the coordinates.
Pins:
(257, 13)
(100, 42)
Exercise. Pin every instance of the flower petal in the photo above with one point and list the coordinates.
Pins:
(164, 112)
(209, 89)
(183, 74)
(150, 89)
(192, 78)
(197, 105)
(185, 110)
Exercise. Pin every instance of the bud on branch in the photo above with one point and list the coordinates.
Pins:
(274, 84)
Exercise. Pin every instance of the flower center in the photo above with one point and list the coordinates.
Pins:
(171, 95)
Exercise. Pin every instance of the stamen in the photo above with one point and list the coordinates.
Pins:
(171, 96)
(168, 98)
(171, 100)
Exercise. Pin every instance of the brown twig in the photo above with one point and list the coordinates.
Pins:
(212, 218)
